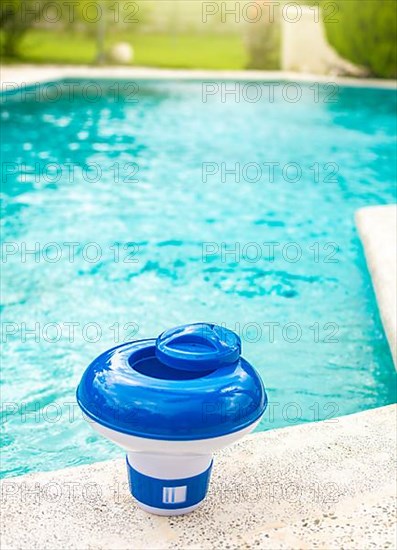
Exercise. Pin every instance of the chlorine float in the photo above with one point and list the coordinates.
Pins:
(170, 403)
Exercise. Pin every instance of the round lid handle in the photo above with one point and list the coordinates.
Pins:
(198, 347)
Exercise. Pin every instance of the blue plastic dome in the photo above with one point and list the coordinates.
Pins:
(190, 383)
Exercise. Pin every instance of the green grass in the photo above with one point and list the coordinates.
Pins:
(154, 50)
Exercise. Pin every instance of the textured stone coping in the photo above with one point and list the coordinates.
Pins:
(22, 75)
(326, 485)
(377, 226)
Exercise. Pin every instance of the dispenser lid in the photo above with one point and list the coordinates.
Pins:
(198, 347)
(190, 383)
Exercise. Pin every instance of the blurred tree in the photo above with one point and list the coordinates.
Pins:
(102, 18)
(95, 18)
(365, 32)
(16, 18)
(118, 14)
(263, 37)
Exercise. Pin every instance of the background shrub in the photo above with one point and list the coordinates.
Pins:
(365, 33)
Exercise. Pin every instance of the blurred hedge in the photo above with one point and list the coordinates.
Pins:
(365, 33)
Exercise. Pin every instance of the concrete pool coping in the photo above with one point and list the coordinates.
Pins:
(25, 75)
(377, 226)
(323, 485)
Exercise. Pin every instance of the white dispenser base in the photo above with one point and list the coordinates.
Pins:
(169, 481)
(162, 459)
(162, 512)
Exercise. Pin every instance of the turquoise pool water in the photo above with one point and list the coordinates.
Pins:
(133, 210)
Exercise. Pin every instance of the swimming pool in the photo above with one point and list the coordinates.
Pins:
(159, 203)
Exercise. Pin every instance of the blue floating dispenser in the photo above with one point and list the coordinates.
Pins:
(170, 403)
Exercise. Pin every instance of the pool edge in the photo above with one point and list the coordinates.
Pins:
(26, 75)
(324, 484)
(377, 227)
